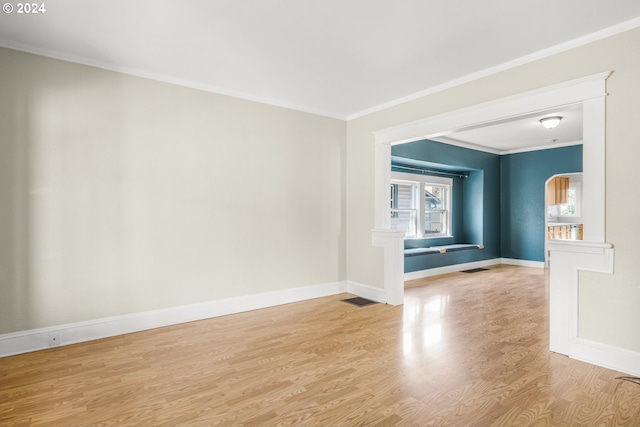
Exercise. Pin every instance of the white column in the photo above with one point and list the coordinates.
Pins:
(382, 181)
(382, 235)
(593, 167)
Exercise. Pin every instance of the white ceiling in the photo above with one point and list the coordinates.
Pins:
(339, 58)
(522, 134)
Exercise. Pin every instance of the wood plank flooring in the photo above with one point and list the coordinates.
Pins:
(464, 350)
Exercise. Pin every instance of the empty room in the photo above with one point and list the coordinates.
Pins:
(319, 213)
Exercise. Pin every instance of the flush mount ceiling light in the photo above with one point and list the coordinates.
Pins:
(550, 122)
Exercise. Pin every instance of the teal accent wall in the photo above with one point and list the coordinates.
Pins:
(473, 212)
(501, 203)
(476, 202)
(523, 191)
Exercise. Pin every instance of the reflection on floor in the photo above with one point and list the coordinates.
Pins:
(464, 350)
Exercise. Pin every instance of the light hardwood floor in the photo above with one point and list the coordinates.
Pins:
(464, 350)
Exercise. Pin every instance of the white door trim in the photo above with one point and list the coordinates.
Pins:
(589, 91)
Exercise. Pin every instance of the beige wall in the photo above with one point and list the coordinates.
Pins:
(609, 304)
(120, 194)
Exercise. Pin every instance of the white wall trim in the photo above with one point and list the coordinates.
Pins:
(567, 259)
(420, 274)
(592, 253)
(463, 144)
(610, 357)
(541, 147)
(593, 169)
(150, 75)
(572, 44)
(607, 356)
(522, 262)
(72, 333)
(589, 91)
(393, 243)
(430, 272)
(496, 111)
(367, 291)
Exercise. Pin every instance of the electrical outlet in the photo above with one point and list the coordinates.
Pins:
(54, 339)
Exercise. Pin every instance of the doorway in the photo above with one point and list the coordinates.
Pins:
(563, 209)
(588, 91)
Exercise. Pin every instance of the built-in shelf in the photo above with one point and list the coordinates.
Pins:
(564, 231)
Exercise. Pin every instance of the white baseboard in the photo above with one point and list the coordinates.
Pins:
(451, 269)
(469, 265)
(367, 291)
(38, 339)
(610, 357)
(522, 262)
(607, 356)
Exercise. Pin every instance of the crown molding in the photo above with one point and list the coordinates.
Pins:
(598, 35)
(581, 41)
(76, 59)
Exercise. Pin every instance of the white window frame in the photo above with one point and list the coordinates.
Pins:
(576, 186)
(413, 211)
(421, 181)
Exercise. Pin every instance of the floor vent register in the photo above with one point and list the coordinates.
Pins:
(360, 302)
(474, 270)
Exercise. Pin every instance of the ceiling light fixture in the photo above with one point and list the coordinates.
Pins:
(550, 122)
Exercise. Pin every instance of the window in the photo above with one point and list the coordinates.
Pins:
(421, 205)
(572, 207)
(403, 207)
(436, 218)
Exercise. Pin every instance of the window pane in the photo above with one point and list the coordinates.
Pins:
(434, 197)
(421, 209)
(435, 202)
(404, 196)
(435, 222)
(570, 207)
(404, 220)
(404, 213)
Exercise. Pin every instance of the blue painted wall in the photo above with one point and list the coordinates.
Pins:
(477, 201)
(500, 205)
(522, 193)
